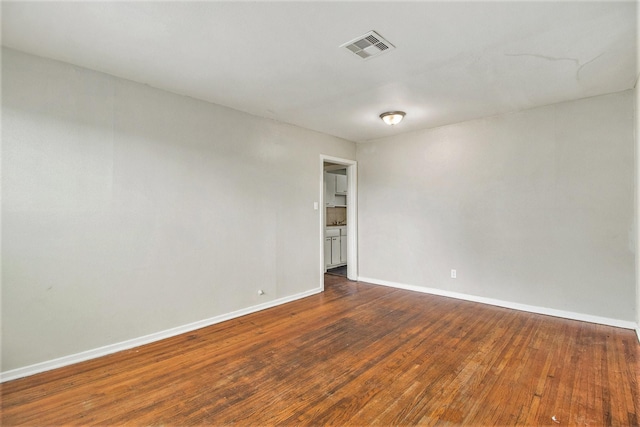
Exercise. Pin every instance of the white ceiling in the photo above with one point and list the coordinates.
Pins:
(453, 61)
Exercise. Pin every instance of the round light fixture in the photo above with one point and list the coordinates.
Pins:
(392, 117)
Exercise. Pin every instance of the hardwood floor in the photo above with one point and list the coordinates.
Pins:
(356, 354)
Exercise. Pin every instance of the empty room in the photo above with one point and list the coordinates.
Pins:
(319, 213)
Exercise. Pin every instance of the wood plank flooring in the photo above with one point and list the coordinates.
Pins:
(356, 354)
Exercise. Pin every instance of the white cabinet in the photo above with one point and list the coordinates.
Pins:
(329, 189)
(335, 250)
(341, 184)
(335, 247)
(327, 251)
(335, 189)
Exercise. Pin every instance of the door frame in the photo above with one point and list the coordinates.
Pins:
(352, 215)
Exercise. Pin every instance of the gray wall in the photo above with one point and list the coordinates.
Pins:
(128, 210)
(535, 207)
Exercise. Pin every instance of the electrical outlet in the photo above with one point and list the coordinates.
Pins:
(454, 274)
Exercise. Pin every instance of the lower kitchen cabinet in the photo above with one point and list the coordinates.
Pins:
(327, 251)
(335, 250)
(335, 247)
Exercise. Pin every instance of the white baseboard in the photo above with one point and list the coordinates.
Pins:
(507, 304)
(638, 334)
(146, 339)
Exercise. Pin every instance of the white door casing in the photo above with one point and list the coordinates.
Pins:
(352, 215)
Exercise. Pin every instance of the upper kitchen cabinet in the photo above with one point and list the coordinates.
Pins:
(329, 189)
(341, 184)
(335, 189)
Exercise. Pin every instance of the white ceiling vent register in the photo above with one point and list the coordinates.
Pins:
(369, 45)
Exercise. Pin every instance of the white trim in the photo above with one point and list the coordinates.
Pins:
(636, 130)
(352, 215)
(323, 266)
(352, 224)
(507, 304)
(146, 339)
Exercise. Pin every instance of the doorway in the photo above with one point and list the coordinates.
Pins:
(338, 217)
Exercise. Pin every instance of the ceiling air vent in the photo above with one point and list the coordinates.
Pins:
(369, 45)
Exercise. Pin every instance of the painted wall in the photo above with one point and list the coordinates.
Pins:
(535, 207)
(128, 210)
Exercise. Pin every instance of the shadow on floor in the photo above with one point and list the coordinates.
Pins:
(338, 271)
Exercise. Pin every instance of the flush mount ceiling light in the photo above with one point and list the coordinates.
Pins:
(392, 117)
